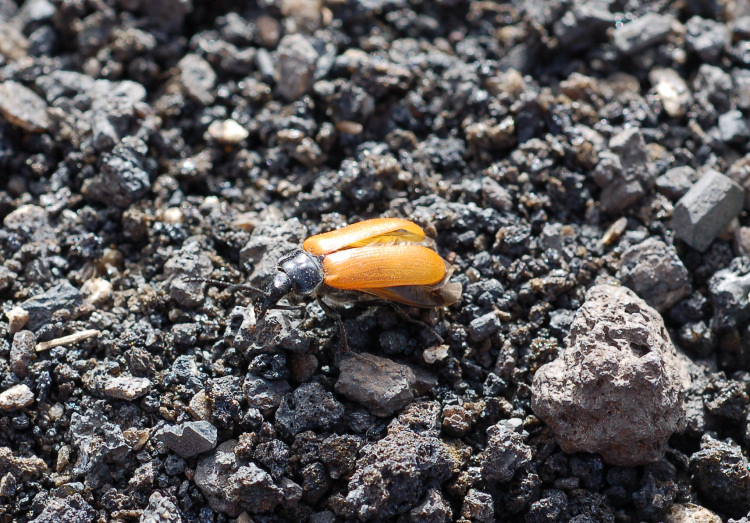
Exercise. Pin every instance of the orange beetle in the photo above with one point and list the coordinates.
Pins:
(390, 258)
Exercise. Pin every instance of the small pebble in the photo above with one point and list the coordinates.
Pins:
(707, 209)
(22, 353)
(126, 387)
(295, 66)
(648, 30)
(198, 78)
(379, 384)
(22, 107)
(16, 397)
(189, 439)
(228, 132)
(17, 318)
(96, 291)
(673, 91)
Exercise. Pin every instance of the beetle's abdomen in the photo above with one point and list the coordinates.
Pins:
(383, 266)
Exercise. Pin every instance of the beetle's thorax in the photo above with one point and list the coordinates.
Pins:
(299, 272)
(304, 270)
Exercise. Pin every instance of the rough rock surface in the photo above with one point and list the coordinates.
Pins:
(654, 271)
(722, 476)
(381, 385)
(393, 474)
(617, 389)
(707, 208)
(189, 439)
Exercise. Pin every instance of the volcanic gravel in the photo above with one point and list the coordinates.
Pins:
(584, 164)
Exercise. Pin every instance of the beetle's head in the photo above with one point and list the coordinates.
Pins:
(299, 272)
(274, 288)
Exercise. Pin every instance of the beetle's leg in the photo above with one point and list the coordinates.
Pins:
(336, 316)
(288, 307)
(405, 315)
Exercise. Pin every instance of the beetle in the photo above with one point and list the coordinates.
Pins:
(389, 258)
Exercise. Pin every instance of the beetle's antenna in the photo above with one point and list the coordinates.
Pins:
(228, 285)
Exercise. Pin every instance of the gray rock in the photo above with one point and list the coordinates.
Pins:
(124, 175)
(496, 195)
(740, 173)
(7, 279)
(584, 24)
(707, 38)
(706, 210)
(648, 30)
(484, 326)
(325, 516)
(161, 509)
(654, 271)
(506, 451)
(676, 182)
(733, 127)
(232, 488)
(618, 388)
(105, 108)
(68, 509)
(23, 469)
(721, 474)
(190, 438)
(379, 384)
(271, 239)
(728, 290)
(22, 352)
(673, 91)
(31, 222)
(339, 454)
(265, 395)
(550, 507)
(296, 59)
(198, 78)
(277, 329)
(213, 476)
(624, 173)
(714, 85)
(393, 474)
(62, 296)
(690, 512)
(254, 489)
(13, 43)
(126, 388)
(741, 78)
(307, 408)
(22, 107)
(478, 506)
(169, 14)
(15, 398)
(741, 28)
(274, 456)
(188, 262)
(434, 509)
(315, 482)
(36, 11)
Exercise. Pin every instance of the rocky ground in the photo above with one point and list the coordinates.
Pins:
(582, 163)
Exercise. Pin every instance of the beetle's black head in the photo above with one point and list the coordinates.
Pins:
(274, 288)
(299, 272)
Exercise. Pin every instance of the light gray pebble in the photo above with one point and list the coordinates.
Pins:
(190, 438)
(706, 210)
(381, 385)
(16, 397)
